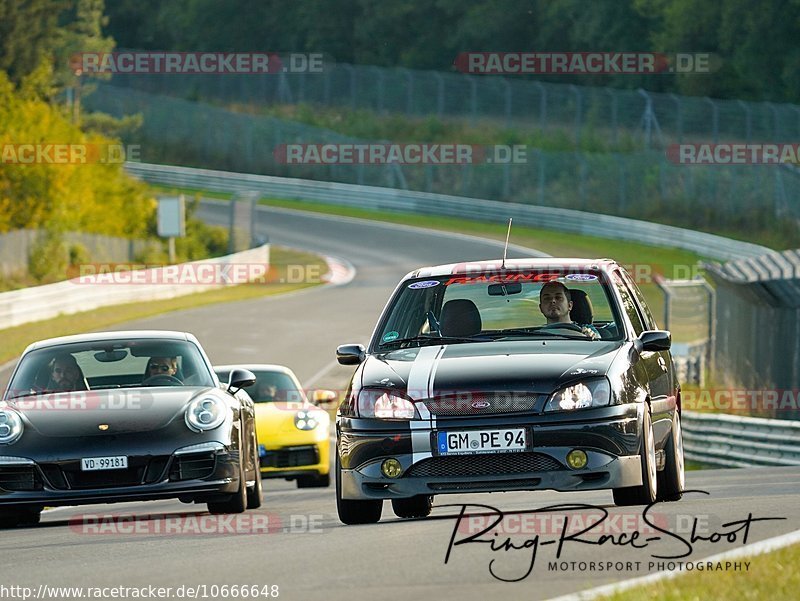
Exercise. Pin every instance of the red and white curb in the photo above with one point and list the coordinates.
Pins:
(340, 271)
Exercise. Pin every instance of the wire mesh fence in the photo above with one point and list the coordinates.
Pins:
(657, 118)
(644, 185)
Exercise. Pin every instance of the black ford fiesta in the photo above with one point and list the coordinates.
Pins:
(521, 375)
(125, 416)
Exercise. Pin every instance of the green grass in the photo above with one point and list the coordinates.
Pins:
(400, 128)
(771, 577)
(16, 339)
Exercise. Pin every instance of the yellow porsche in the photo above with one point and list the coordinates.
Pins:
(293, 432)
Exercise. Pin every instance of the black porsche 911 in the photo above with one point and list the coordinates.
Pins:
(521, 375)
(125, 416)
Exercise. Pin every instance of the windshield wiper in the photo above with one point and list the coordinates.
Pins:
(435, 339)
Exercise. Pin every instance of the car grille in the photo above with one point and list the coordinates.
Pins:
(482, 403)
(291, 457)
(193, 466)
(141, 470)
(493, 485)
(490, 464)
(20, 478)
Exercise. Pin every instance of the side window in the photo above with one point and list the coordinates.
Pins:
(649, 322)
(629, 305)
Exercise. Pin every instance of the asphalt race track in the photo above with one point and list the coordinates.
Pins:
(299, 544)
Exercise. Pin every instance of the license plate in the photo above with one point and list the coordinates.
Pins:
(89, 464)
(472, 442)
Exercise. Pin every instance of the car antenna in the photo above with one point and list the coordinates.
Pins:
(505, 248)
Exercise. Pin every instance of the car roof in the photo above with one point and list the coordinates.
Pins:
(113, 335)
(495, 265)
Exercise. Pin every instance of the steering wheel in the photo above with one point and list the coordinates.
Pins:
(563, 325)
(162, 380)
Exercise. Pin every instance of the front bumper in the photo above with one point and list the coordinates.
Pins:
(201, 477)
(609, 436)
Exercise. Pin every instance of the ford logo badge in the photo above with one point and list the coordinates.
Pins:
(480, 404)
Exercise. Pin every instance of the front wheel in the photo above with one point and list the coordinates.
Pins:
(647, 492)
(237, 502)
(355, 512)
(671, 478)
(418, 506)
(19, 516)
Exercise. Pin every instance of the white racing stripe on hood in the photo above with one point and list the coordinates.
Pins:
(420, 387)
(420, 378)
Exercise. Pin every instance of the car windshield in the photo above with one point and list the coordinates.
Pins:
(551, 304)
(270, 386)
(97, 365)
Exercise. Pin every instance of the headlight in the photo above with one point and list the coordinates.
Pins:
(385, 404)
(10, 426)
(205, 414)
(589, 393)
(305, 420)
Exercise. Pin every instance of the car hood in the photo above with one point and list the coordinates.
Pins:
(122, 410)
(538, 366)
(277, 417)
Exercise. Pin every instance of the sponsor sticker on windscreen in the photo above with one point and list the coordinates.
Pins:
(473, 442)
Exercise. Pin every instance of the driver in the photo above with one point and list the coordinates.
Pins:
(555, 303)
(162, 366)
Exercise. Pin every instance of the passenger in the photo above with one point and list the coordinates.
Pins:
(555, 303)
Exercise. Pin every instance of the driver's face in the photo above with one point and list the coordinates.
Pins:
(63, 372)
(161, 366)
(554, 305)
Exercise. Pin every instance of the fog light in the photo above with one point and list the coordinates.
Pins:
(391, 468)
(576, 459)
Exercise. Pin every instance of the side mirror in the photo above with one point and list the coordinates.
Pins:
(351, 354)
(240, 378)
(655, 340)
(323, 397)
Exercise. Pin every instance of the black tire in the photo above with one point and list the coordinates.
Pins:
(671, 478)
(22, 516)
(237, 502)
(355, 512)
(418, 506)
(254, 494)
(647, 492)
(314, 481)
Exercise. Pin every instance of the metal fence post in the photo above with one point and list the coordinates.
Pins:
(714, 119)
(379, 72)
(542, 104)
(439, 94)
(473, 99)
(610, 92)
(409, 92)
(507, 87)
(578, 112)
(748, 121)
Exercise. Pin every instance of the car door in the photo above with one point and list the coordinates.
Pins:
(657, 364)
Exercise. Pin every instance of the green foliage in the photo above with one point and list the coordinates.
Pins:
(756, 41)
(90, 197)
(47, 260)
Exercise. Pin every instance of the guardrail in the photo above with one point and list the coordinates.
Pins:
(723, 440)
(373, 197)
(92, 292)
